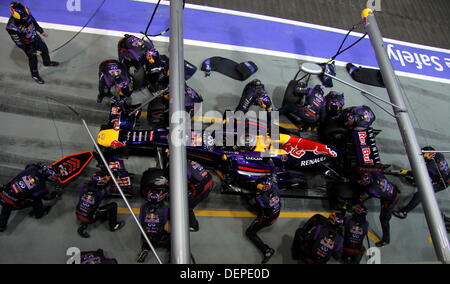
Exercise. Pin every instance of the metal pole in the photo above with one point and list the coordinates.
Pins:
(432, 213)
(180, 248)
(363, 91)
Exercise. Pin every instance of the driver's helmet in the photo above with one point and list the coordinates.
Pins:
(100, 178)
(428, 156)
(19, 12)
(265, 102)
(334, 102)
(264, 184)
(335, 220)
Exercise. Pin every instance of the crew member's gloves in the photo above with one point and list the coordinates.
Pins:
(44, 34)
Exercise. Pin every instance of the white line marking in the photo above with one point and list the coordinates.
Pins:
(292, 22)
(223, 47)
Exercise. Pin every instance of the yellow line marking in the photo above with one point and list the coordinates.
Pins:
(236, 214)
(246, 214)
(122, 210)
(373, 237)
(430, 240)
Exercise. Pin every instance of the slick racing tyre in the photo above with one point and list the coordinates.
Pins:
(289, 96)
(151, 178)
(332, 132)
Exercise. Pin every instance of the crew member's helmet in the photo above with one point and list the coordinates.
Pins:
(265, 102)
(152, 55)
(360, 211)
(364, 179)
(19, 12)
(100, 178)
(299, 87)
(124, 88)
(157, 194)
(135, 41)
(335, 220)
(335, 102)
(428, 156)
(50, 172)
(318, 90)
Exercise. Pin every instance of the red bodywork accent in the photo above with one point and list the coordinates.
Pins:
(253, 170)
(73, 165)
(117, 144)
(297, 147)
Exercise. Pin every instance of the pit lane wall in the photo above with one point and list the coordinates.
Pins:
(241, 31)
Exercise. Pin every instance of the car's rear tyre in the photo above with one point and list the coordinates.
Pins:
(157, 115)
(289, 96)
(332, 132)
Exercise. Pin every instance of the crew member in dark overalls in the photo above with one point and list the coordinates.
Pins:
(28, 189)
(439, 172)
(24, 29)
(200, 184)
(154, 217)
(89, 211)
(378, 186)
(319, 239)
(138, 53)
(359, 117)
(334, 102)
(113, 74)
(268, 202)
(312, 107)
(356, 229)
(96, 257)
(254, 94)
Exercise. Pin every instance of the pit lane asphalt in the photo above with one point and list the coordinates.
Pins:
(29, 135)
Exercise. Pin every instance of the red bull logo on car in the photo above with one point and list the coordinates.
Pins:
(297, 147)
(366, 152)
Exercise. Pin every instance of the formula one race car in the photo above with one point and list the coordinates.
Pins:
(240, 166)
